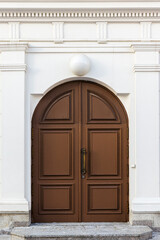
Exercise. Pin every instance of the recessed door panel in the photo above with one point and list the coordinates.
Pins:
(79, 155)
(60, 109)
(55, 162)
(99, 109)
(51, 199)
(104, 154)
(104, 198)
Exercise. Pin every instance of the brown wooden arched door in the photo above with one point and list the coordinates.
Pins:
(79, 155)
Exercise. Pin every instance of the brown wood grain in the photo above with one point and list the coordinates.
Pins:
(75, 115)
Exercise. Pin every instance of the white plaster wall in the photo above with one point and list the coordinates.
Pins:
(36, 31)
(45, 69)
(155, 31)
(0, 132)
(124, 57)
(4, 30)
(121, 31)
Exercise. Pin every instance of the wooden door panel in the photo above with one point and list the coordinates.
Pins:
(103, 152)
(60, 110)
(104, 198)
(51, 199)
(53, 161)
(99, 109)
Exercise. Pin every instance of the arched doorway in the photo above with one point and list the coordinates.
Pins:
(80, 155)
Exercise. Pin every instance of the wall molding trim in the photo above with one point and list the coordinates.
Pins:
(14, 206)
(146, 68)
(12, 67)
(74, 14)
(13, 46)
(145, 47)
(146, 205)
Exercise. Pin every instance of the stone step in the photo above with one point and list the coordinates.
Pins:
(156, 236)
(82, 231)
(5, 237)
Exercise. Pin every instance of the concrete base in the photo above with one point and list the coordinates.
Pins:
(10, 220)
(82, 231)
(146, 219)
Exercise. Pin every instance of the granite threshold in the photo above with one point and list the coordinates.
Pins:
(82, 231)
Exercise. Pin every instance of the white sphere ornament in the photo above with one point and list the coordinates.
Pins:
(80, 64)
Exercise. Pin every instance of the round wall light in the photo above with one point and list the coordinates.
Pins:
(80, 64)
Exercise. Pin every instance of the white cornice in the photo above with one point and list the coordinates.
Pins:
(94, 4)
(147, 68)
(13, 46)
(78, 14)
(75, 1)
(145, 47)
(12, 67)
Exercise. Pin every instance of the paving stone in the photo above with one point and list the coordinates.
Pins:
(155, 238)
(5, 237)
(82, 231)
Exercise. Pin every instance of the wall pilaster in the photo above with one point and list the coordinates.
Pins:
(13, 68)
(147, 166)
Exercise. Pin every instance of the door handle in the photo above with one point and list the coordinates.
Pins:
(83, 162)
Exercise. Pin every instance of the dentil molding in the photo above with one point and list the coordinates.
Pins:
(102, 14)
